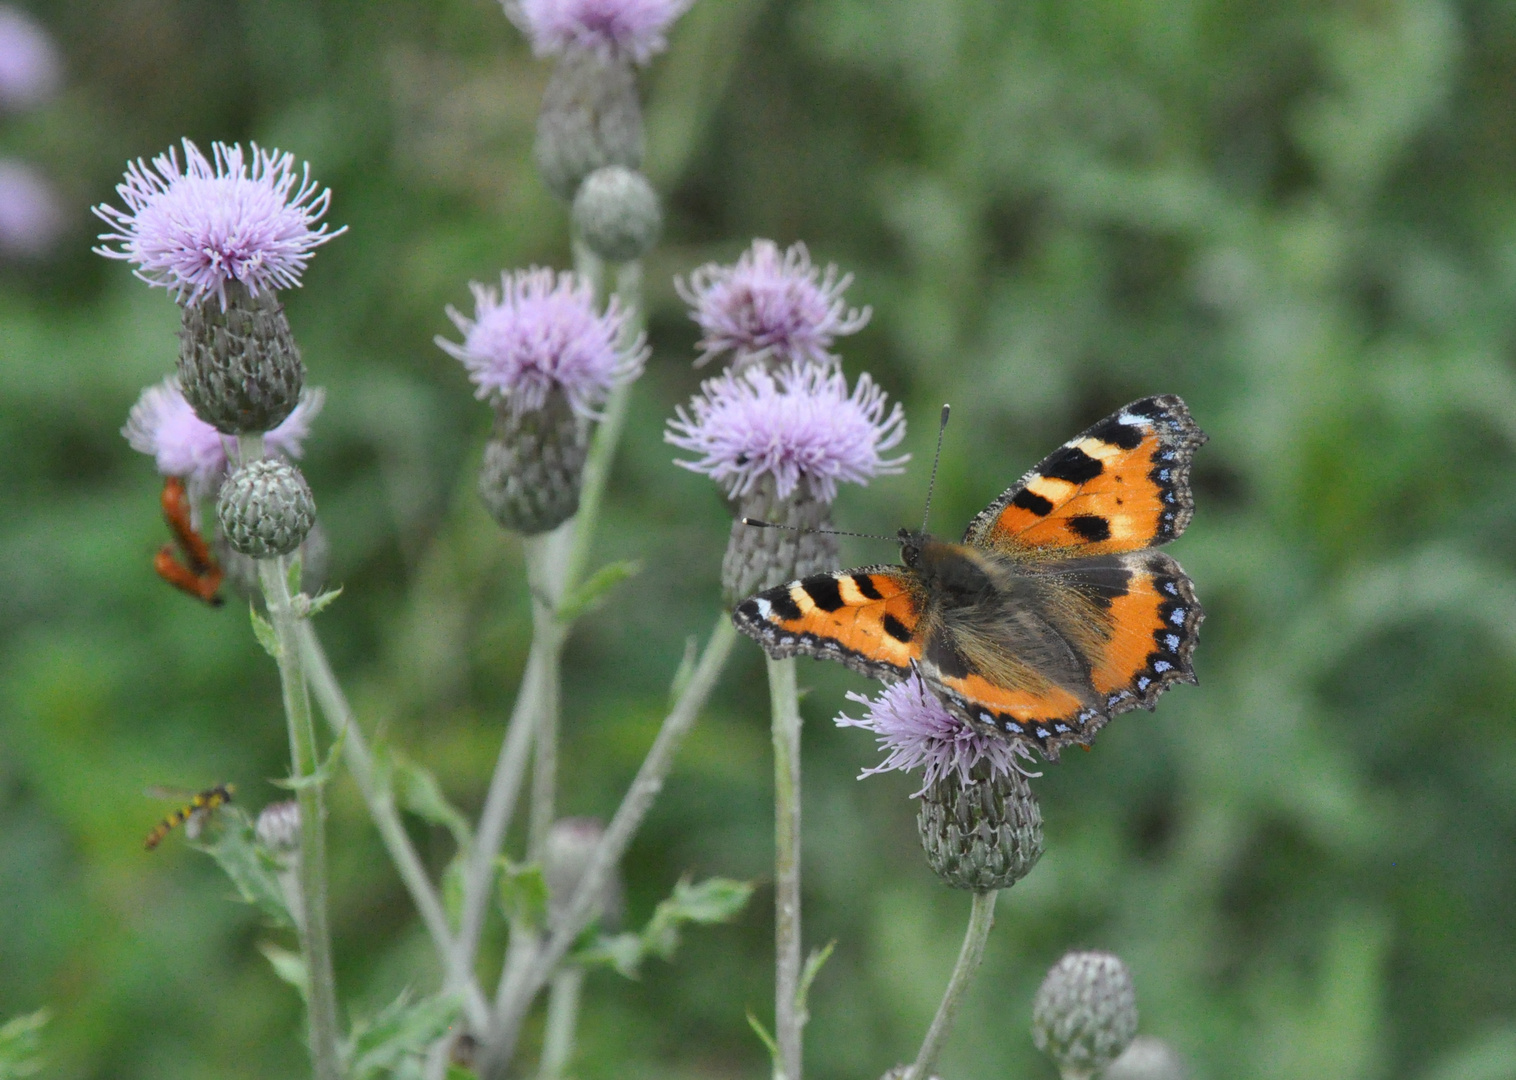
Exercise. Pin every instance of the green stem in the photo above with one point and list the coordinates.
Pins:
(381, 806)
(562, 1017)
(981, 918)
(546, 557)
(784, 703)
(518, 991)
(315, 935)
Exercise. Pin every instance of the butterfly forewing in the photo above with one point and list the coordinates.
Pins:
(1122, 485)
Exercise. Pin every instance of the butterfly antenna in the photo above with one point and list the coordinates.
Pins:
(757, 523)
(936, 460)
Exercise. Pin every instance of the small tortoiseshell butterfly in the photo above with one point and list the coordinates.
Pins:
(1052, 616)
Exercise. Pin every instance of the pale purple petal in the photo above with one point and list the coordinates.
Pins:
(163, 425)
(797, 423)
(195, 228)
(770, 305)
(539, 332)
(633, 29)
(31, 218)
(920, 733)
(30, 70)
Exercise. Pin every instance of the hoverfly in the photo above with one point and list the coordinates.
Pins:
(192, 815)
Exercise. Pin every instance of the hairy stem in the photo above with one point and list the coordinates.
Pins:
(381, 807)
(518, 991)
(981, 918)
(784, 703)
(562, 1017)
(315, 934)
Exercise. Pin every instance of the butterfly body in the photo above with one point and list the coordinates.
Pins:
(1053, 614)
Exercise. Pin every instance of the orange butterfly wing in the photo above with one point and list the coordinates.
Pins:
(1122, 485)
(868, 619)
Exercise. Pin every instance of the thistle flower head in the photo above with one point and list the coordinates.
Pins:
(540, 332)
(920, 733)
(797, 423)
(194, 227)
(162, 424)
(770, 305)
(1085, 1012)
(633, 29)
(30, 71)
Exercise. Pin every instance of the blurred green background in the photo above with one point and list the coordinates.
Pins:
(1298, 215)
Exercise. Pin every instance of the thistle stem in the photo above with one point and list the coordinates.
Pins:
(381, 806)
(562, 1018)
(521, 986)
(546, 563)
(315, 934)
(784, 702)
(981, 918)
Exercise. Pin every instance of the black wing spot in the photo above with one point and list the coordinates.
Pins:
(897, 629)
(866, 587)
(1071, 464)
(1029, 500)
(1151, 407)
(824, 591)
(946, 657)
(1091, 527)
(1113, 431)
(784, 605)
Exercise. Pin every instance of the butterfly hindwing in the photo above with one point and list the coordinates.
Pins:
(1122, 485)
(867, 619)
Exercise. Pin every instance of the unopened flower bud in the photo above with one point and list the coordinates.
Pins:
(590, 118)
(982, 834)
(278, 827)
(239, 367)
(616, 213)
(570, 844)
(266, 509)
(1085, 1012)
(1147, 1058)
(533, 465)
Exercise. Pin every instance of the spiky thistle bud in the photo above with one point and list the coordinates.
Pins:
(616, 213)
(533, 464)
(265, 508)
(1085, 1013)
(982, 833)
(239, 367)
(591, 118)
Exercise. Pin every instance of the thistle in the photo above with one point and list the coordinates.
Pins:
(546, 361)
(1085, 1013)
(223, 235)
(779, 443)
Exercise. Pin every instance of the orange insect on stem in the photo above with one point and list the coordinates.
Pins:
(203, 576)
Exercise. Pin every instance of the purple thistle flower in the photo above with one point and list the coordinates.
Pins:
(30, 71)
(30, 217)
(770, 304)
(633, 29)
(540, 332)
(194, 229)
(799, 422)
(919, 732)
(162, 424)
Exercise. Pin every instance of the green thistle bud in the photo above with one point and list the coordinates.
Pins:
(533, 465)
(590, 118)
(986, 834)
(1085, 1013)
(265, 508)
(239, 367)
(616, 213)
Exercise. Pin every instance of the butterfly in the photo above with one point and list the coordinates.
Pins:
(202, 576)
(192, 815)
(1053, 615)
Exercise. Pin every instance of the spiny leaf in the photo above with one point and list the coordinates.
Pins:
(602, 581)
(263, 630)
(307, 606)
(419, 792)
(250, 867)
(21, 1045)
(289, 966)
(324, 771)
(523, 894)
(813, 965)
(394, 1041)
(768, 1040)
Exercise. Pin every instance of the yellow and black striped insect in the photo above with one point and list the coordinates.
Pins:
(192, 815)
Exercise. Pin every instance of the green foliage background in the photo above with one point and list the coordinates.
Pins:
(1298, 215)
